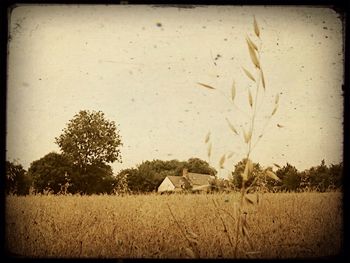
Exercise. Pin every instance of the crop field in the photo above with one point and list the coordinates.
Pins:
(283, 225)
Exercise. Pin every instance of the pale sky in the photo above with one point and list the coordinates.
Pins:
(140, 65)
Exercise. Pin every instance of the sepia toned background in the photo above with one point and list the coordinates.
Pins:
(140, 65)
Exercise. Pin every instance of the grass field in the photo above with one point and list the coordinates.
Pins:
(284, 225)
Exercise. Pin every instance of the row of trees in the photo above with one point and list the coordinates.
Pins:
(90, 142)
(54, 173)
(321, 177)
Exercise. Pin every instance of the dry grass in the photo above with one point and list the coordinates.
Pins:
(285, 225)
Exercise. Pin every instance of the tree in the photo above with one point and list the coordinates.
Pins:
(238, 171)
(90, 142)
(134, 181)
(17, 181)
(290, 177)
(51, 172)
(90, 139)
(336, 174)
(196, 165)
(96, 179)
(321, 177)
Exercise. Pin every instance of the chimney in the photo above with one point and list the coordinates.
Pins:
(185, 172)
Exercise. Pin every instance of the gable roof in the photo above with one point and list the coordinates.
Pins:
(199, 179)
(178, 181)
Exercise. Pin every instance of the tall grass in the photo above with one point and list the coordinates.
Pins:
(249, 134)
(283, 225)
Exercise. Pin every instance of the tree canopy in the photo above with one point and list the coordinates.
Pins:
(17, 180)
(90, 139)
(51, 172)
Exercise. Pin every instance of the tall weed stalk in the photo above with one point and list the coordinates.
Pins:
(249, 135)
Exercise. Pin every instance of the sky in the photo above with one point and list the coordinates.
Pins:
(141, 65)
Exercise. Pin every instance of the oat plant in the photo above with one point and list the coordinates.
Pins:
(250, 138)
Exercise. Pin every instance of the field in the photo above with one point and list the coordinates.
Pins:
(284, 225)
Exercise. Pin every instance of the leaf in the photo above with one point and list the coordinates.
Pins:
(256, 28)
(253, 56)
(231, 126)
(207, 137)
(250, 98)
(222, 161)
(233, 91)
(251, 43)
(263, 79)
(205, 85)
(249, 75)
(272, 175)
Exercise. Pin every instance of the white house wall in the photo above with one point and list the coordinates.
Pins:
(166, 185)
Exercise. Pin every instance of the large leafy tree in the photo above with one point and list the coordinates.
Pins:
(90, 142)
(17, 180)
(90, 139)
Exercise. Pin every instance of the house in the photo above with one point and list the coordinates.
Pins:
(188, 181)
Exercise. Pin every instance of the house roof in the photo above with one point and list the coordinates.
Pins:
(178, 181)
(199, 179)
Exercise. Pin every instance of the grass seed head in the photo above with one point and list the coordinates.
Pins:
(222, 161)
(256, 28)
(205, 85)
(247, 136)
(230, 155)
(272, 175)
(253, 56)
(209, 150)
(233, 91)
(250, 98)
(232, 127)
(207, 137)
(274, 110)
(249, 75)
(263, 79)
(277, 98)
(251, 43)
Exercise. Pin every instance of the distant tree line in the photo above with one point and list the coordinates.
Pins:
(90, 142)
(55, 174)
(319, 178)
